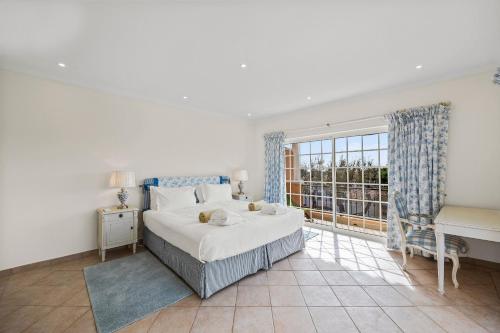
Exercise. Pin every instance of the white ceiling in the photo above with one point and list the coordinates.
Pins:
(329, 50)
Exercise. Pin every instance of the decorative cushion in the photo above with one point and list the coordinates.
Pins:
(169, 198)
(427, 239)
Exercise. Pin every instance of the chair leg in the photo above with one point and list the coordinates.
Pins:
(456, 265)
(412, 252)
(403, 252)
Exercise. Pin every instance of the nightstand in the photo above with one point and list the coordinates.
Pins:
(116, 227)
(242, 197)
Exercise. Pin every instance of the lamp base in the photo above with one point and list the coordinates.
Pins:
(122, 197)
(240, 187)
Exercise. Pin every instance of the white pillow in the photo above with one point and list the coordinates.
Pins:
(217, 192)
(168, 198)
(198, 190)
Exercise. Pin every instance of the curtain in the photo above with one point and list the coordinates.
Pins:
(274, 187)
(418, 143)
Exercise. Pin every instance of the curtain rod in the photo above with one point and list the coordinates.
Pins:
(330, 124)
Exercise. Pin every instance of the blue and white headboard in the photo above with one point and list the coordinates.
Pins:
(180, 181)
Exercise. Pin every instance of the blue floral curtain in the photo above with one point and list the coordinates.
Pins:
(418, 143)
(274, 186)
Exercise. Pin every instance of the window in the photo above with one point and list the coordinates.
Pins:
(350, 171)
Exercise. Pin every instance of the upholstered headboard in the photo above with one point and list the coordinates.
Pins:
(180, 181)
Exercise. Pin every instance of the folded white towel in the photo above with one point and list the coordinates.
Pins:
(273, 209)
(221, 217)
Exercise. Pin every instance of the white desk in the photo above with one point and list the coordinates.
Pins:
(466, 222)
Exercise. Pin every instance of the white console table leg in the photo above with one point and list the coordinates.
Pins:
(440, 260)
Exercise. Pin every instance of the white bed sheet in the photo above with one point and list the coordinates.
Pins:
(208, 243)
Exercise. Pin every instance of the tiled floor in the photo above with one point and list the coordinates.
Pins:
(337, 284)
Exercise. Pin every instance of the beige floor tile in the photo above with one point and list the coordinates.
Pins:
(299, 255)
(310, 278)
(339, 278)
(7, 309)
(411, 319)
(257, 279)
(496, 280)
(327, 264)
(459, 296)
(25, 279)
(253, 320)
(302, 264)
(72, 279)
(486, 316)
(352, 265)
(486, 294)
(39, 295)
(80, 299)
(451, 319)
(23, 318)
(327, 319)
(77, 264)
(58, 320)
(319, 296)
(468, 277)
(387, 296)
(190, 301)
(368, 278)
(85, 324)
(423, 295)
(224, 297)
(397, 278)
(253, 296)
(292, 319)
(174, 320)
(214, 319)
(372, 319)
(353, 296)
(423, 276)
(281, 278)
(282, 265)
(140, 326)
(379, 264)
(286, 296)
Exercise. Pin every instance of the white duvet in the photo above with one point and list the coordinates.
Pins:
(206, 242)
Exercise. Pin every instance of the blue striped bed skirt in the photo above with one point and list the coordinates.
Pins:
(210, 277)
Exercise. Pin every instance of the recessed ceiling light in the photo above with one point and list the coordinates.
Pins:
(60, 64)
(243, 65)
(308, 98)
(249, 114)
(185, 98)
(419, 66)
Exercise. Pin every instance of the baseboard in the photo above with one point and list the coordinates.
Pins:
(46, 263)
(49, 262)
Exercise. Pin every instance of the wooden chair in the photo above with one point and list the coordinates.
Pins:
(417, 232)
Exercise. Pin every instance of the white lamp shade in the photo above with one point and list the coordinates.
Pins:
(241, 175)
(122, 179)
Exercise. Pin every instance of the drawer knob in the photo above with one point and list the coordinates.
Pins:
(120, 215)
(132, 228)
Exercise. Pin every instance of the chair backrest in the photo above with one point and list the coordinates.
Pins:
(400, 204)
(399, 211)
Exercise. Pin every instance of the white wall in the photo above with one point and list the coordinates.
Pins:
(59, 143)
(474, 137)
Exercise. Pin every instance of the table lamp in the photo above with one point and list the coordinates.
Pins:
(241, 176)
(122, 179)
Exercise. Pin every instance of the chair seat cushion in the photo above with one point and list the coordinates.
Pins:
(426, 239)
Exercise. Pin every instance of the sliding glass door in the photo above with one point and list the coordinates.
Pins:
(350, 171)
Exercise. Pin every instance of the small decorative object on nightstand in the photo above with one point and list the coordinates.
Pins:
(242, 197)
(116, 227)
(122, 179)
(241, 176)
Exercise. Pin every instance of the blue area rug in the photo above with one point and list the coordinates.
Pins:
(125, 290)
(309, 234)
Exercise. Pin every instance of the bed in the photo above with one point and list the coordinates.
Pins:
(210, 258)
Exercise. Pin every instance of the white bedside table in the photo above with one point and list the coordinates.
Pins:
(116, 227)
(242, 197)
